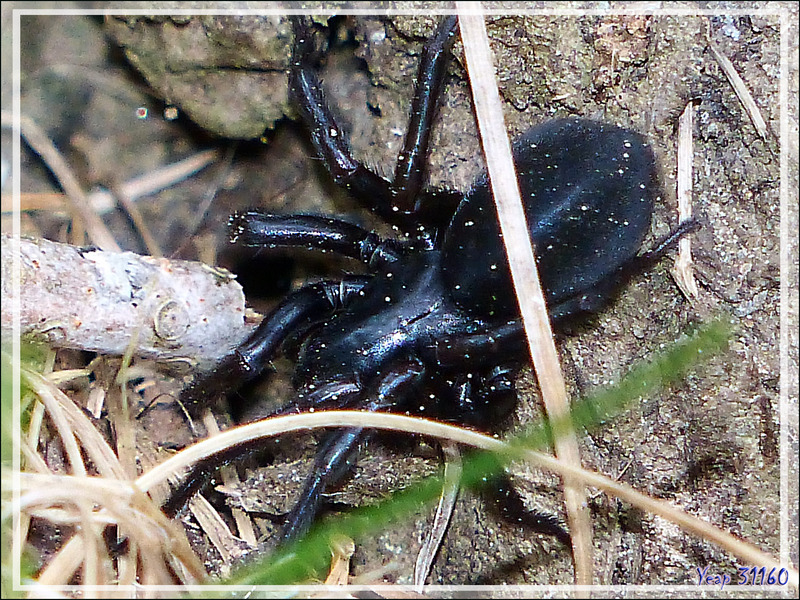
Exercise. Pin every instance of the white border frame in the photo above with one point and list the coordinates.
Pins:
(788, 299)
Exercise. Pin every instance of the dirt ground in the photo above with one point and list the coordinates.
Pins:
(711, 444)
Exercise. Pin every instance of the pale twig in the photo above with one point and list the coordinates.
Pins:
(516, 236)
(95, 300)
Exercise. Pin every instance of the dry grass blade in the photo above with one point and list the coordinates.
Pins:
(35, 427)
(63, 565)
(92, 503)
(65, 375)
(96, 447)
(153, 537)
(167, 176)
(505, 190)
(33, 460)
(139, 222)
(683, 269)
(342, 550)
(214, 526)
(102, 201)
(48, 393)
(202, 209)
(453, 468)
(79, 202)
(274, 426)
(741, 91)
(230, 478)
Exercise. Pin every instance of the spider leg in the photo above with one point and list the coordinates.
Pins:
(593, 299)
(491, 344)
(400, 202)
(649, 258)
(313, 233)
(485, 398)
(509, 503)
(339, 450)
(409, 175)
(311, 303)
(482, 399)
(479, 348)
(335, 456)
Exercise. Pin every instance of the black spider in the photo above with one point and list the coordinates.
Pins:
(438, 317)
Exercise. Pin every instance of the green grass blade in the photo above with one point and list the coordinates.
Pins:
(309, 558)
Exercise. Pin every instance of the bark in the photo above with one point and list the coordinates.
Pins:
(108, 302)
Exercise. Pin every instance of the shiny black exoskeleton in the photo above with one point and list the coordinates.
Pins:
(438, 317)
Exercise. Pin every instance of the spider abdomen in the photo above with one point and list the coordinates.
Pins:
(588, 189)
